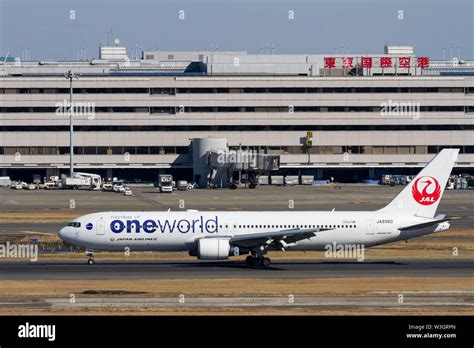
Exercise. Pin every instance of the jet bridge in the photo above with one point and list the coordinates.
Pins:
(214, 165)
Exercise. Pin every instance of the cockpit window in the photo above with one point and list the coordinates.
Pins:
(74, 224)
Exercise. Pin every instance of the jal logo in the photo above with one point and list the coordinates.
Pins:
(426, 190)
(89, 226)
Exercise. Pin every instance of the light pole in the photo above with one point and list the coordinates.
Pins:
(70, 76)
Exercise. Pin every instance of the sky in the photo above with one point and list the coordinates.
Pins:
(57, 29)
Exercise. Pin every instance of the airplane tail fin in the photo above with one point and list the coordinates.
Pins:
(422, 195)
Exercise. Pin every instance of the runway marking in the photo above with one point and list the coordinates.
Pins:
(35, 232)
(259, 301)
(425, 292)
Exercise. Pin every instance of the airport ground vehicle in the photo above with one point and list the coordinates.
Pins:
(107, 186)
(277, 180)
(78, 180)
(118, 186)
(49, 185)
(127, 191)
(307, 179)
(17, 185)
(290, 181)
(182, 185)
(216, 235)
(75, 182)
(165, 182)
(27, 186)
(192, 186)
(5, 181)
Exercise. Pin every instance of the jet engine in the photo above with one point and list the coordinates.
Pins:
(213, 248)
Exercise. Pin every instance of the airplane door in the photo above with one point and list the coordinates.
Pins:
(100, 227)
(370, 227)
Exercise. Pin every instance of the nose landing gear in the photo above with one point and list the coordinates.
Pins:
(90, 257)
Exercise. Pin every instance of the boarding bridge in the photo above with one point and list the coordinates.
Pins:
(224, 163)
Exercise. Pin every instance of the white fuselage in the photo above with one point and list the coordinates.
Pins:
(178, 231)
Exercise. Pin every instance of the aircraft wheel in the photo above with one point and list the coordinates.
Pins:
(265, 262)
(249, 260)
(90, 261)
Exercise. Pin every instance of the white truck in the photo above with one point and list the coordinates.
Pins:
(165, 183)
(85, 181)
(76, 182)
(5, 181)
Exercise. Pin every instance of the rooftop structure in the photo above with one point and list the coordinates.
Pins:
(368, 113)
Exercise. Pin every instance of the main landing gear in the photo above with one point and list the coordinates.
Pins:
(259, 261)
(90, 257)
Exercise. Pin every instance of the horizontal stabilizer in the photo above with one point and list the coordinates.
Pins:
(439, 220)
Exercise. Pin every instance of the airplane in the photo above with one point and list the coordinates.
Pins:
(217, 235)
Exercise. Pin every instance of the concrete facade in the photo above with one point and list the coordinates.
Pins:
(155, 117)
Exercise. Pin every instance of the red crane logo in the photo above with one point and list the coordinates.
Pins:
(427, 194)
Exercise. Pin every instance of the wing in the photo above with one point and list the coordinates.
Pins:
(278, 239)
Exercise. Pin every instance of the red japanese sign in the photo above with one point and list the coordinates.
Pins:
(347, 62)
(329, 62)
(404, 62)
(366, 62)
(381, 62)
(385, 62)
(423, 62)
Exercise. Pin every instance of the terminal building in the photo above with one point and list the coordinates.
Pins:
(350, 117)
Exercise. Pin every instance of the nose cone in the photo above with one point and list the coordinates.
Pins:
(62, 233)
(65, 234)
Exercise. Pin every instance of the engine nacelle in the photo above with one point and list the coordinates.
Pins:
(213, 248)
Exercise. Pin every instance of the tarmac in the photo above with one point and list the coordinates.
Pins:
(287, 269)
